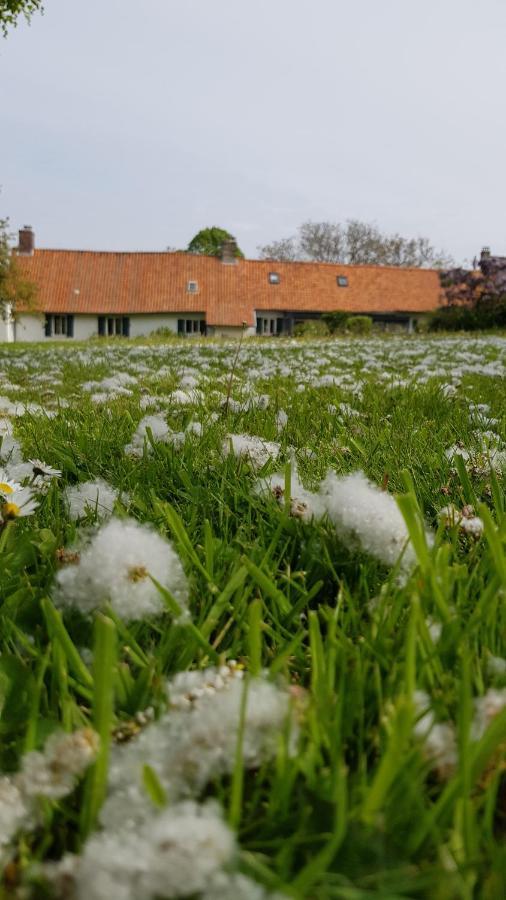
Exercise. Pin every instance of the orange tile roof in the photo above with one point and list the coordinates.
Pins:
(81, 281)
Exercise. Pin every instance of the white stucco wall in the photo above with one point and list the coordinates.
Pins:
(230, 331)
(141, 325)
(84, 327)
(29, 328)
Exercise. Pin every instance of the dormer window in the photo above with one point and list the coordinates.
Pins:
(192, 287)
(274, 278)
(342, 281)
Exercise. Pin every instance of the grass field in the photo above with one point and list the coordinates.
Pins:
(225, 673)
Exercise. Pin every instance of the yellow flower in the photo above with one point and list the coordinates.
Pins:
(20, 503)
(10, 510)
(6, 485)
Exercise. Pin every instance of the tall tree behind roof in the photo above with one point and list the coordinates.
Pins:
(209, 241)
(355, 243)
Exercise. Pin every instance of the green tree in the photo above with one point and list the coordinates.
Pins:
(209, 242)
(10, 10)
(14, 288)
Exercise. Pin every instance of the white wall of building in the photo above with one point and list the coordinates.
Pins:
(230, 331)
(30, 327)
(84, 327)
(143, 325)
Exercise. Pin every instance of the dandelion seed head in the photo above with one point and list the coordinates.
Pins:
(174, 853)
(367, 517)
(91, 496)
(52, 772)
(256, 450)
(485, 709)
(196, 741)
(104, 572)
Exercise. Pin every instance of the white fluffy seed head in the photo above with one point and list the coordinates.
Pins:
(251, 447)
(176, 852)
(304, 504)
(439, 743)
(160, 433)
(52, 772)
(485, 709)
(14, 812)
(196, 741)
(91, 497)
(116, 567)
(367, 517)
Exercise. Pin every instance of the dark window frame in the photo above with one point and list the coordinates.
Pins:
(342, 281)
(59, 325)
(113, 326)
(274, 278)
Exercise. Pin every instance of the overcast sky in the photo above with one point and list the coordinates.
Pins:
(130, 125)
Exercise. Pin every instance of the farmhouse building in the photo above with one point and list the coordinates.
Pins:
(83, 293)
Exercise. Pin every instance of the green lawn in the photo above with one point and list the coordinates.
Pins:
(354, 744)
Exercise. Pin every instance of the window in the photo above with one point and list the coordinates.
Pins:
(269, 326)
(59, 326)
(342, 281)
(113, 326)
(274, 278)
(192, 287)
(191, 326)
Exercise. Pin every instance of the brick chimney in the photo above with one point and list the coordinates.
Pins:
(228, 252)
(26, 241)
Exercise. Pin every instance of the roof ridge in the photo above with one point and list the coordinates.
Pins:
(280, 262)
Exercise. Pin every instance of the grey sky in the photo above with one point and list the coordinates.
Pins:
(131, 125)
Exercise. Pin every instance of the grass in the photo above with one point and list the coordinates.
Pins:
(357, 813)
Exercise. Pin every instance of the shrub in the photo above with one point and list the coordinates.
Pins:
(164, 332)
(489, 312)
(311, 328)
(335, 321)
(359, 324)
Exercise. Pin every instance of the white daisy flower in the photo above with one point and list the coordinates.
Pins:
(18, 504)
(7, 486)
(42, 469)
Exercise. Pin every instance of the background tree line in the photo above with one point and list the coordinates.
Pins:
(355, 243)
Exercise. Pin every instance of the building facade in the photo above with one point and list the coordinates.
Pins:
(83, 294)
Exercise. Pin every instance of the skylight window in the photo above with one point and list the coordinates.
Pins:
(192, 287)
(274, 278)
(342, 281)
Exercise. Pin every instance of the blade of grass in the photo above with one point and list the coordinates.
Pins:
(104, 676)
